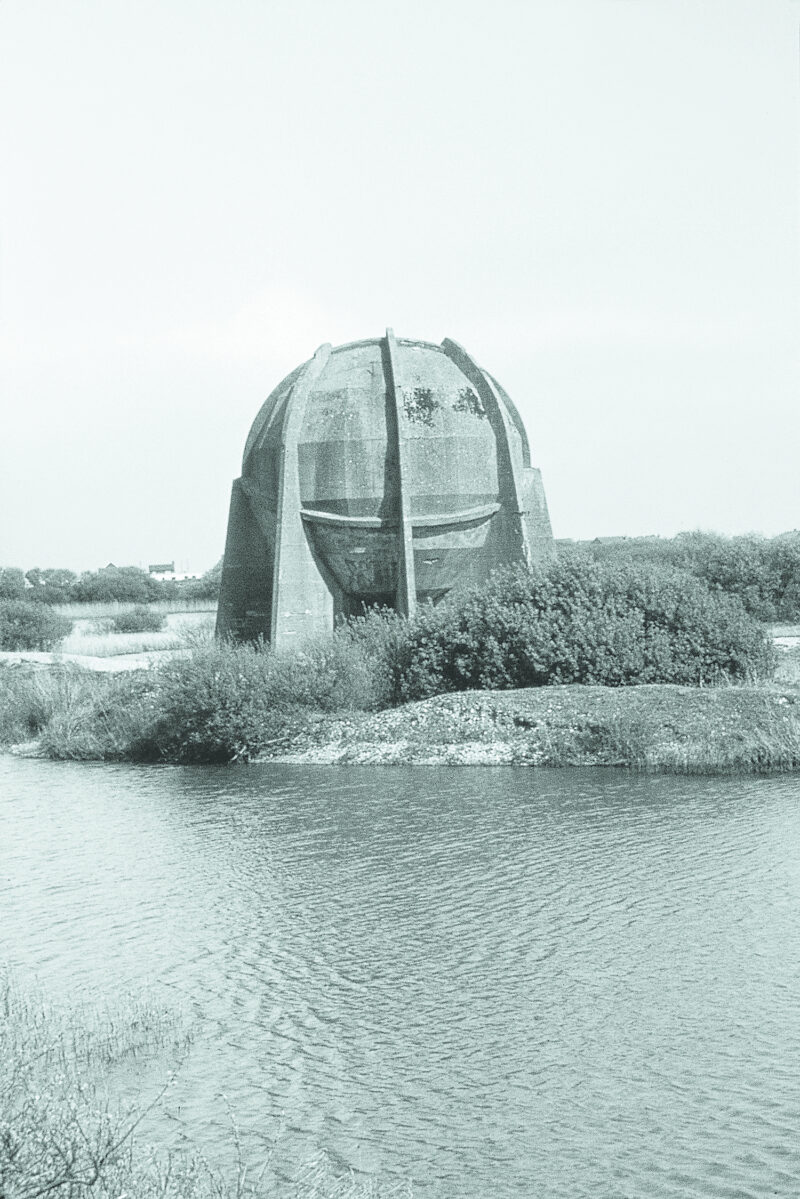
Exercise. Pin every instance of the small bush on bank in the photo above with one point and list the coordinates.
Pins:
(218, 703)
(580, 621)
(227, 702)
(138, 620)
(26, 626)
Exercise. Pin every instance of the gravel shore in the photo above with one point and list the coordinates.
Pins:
(648, 727)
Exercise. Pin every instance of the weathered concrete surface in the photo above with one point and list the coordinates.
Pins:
(384, 472)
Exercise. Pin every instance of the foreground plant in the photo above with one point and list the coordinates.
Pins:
(62, 1134)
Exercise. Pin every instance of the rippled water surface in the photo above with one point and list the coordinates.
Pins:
(495, 982)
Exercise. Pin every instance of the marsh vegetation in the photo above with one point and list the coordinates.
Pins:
(650, 669)
(67, 1130)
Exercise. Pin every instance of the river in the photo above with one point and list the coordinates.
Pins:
(494, 982)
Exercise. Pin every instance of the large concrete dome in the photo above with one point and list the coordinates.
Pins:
(383, 472)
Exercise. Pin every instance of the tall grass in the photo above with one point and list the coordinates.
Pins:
(31, 697)
(216, 703)
(97, 639)
(116, 645)
(754, 735)
(96, 610)
(60, 1134)
(788, 668)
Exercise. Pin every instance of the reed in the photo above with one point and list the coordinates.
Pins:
(96, 638)
(61, 1134)
(97, 610)
(115, 645)
(31, 697)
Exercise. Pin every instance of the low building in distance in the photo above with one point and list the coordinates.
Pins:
(165, 572)
(382, 472)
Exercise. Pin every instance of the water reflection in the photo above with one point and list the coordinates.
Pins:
(497, 981)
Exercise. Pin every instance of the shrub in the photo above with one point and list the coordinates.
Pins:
(12, 583)
(25, 626)
(120, 584)
(226, 702)
(49, 586)
(139, 620)
(209, 707)
(204, 588)
(764, 573)
(369, 646)
(579, 621)
(223, 702)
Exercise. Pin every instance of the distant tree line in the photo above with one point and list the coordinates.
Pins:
(110, 584)
(764, 573)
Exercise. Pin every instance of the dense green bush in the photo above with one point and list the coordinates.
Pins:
(580, 622)
(138, 620)
(26, 626)
(12, 583)
(53, 586)
(764, 573)
(116, 584)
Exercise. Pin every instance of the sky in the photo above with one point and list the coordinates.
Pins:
(598, 198)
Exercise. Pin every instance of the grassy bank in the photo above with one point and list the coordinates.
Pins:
(578, 665)
(79, 715)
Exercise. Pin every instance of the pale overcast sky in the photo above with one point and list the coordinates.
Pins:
(598, 198)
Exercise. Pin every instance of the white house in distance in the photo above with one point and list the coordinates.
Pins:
(165, 572)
